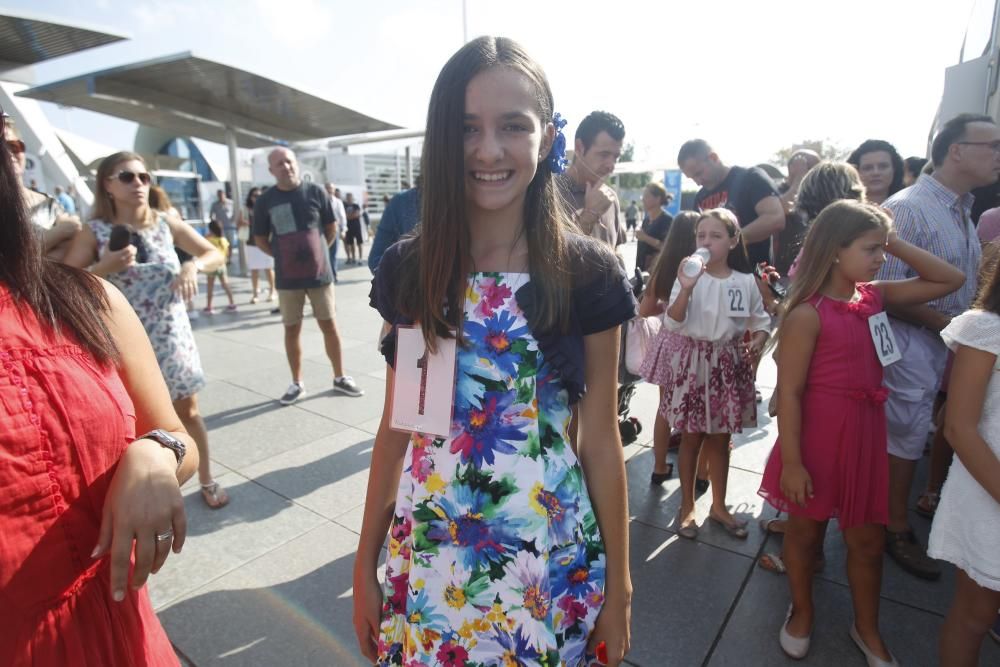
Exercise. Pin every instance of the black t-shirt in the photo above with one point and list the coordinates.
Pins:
(740, 192)
(294, 223)
(644, 253)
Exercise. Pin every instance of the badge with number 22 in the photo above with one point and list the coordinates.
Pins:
(737, 304)
(885, 342)
(423, 388)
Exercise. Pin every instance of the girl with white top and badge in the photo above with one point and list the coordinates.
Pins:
(714, 302)
(831, 459)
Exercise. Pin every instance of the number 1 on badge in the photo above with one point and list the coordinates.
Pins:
(423, 388)
(422, 365)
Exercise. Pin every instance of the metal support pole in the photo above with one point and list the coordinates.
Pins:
(234, 183)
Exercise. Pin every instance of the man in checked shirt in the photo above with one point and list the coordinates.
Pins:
(933, 214)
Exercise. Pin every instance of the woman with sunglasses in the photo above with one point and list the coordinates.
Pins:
(155, 282)
(78, 382)
(53, 225)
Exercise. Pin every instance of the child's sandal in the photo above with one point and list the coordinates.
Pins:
(214, 495)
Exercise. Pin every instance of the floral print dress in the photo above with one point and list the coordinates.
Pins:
(495, 557)
(148, 286)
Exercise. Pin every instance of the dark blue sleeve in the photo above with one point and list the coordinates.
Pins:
(605, 300)
(386, 234)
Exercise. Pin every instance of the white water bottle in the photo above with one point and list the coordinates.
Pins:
(693, 264)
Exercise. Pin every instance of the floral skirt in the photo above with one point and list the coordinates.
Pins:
(708, 385)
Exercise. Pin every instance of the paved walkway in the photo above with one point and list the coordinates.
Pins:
(267, 580)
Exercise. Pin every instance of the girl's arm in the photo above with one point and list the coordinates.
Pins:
(650, 305)
(970, 375)
(600, 450)
(380, 501)
(196, 245)
(935, 277)
(144, 497)
(795, 348)
(680, 295)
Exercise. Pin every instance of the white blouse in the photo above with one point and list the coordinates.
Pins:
(720, 308)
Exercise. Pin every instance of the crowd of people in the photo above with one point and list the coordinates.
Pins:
(501, 283)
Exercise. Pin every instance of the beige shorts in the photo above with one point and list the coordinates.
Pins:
(293, 301)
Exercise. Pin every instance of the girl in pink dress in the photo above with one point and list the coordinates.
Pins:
(831, 456)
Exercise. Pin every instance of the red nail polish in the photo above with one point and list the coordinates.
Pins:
(602, 653)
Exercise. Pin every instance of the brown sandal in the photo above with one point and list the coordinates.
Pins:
(214, 495)
(927, 504)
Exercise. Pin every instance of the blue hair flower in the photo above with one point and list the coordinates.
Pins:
(557, 154)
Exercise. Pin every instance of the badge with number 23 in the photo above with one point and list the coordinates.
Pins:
(885, 342)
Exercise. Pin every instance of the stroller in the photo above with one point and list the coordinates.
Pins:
(629, 427)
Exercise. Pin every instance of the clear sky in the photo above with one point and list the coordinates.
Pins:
(751, 77)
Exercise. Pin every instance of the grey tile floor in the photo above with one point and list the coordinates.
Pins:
(267, 580)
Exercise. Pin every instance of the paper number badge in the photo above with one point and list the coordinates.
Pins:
(885, 342)
(423, 390)
(737, 302)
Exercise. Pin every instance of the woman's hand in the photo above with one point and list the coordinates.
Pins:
(115, 261)
(367, 612)
(186, 284)
(143, 501)
(613, 628)
(796, 484)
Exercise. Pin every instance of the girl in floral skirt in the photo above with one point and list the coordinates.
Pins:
(504, 548)
(706, 369)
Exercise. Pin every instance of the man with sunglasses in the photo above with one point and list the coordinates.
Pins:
(56, 228)
(294, 222)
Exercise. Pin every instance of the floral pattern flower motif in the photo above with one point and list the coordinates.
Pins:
(495, 557)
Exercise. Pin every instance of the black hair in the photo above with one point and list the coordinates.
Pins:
(597, 122)
(873, 146)
(915, 165)
(952, 132)
(249, 204)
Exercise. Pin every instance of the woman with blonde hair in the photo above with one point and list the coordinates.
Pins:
(146, 269)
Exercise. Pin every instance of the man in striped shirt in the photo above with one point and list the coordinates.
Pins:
(933, 214)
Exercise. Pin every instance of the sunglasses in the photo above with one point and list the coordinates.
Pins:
(127, 177)
(15, 146)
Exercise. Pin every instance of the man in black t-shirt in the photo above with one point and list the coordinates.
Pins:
(749, 193)
(353, 239)
(294, 223)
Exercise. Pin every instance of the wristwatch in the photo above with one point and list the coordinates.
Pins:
(168, 441)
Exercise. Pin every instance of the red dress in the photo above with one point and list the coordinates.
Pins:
(843, 444)
(64, 424)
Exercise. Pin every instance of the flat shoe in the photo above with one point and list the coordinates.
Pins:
(794, 647)
(688, 532)
(657, 478)
(872, 659)
(734, 529)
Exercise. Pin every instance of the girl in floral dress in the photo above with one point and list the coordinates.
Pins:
(705, 367)
(504, 548)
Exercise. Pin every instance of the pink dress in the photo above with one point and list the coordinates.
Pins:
(843, 443)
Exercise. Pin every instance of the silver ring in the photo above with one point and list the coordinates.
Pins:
(165, 535)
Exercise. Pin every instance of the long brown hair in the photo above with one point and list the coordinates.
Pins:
(680, 243)
(433, 273)
(59, 295)
(104, 205)
(988, 297)
(836, 227)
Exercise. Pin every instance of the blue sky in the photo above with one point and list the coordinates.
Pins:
(751, 77)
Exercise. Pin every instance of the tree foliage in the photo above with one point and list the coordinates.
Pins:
(632, 181)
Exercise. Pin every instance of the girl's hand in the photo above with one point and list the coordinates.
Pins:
(755, 347)
(613, 628)
(892, 241)
(143, 501)
(367, 613)
(796, 484)
(186, 284)
(686, 281)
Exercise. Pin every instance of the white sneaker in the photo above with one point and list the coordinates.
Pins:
(346, 385)
(295, 391)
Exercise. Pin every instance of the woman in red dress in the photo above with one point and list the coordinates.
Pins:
(78, 380)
